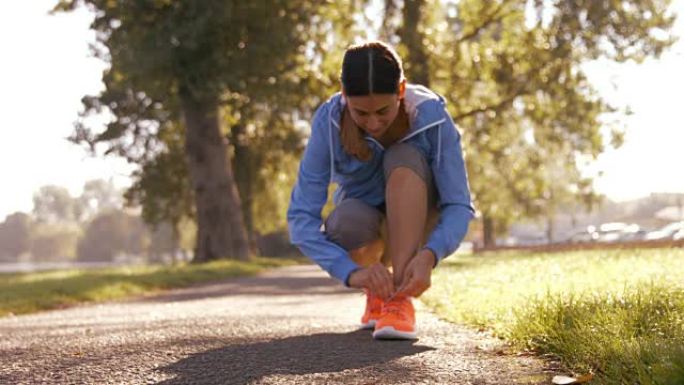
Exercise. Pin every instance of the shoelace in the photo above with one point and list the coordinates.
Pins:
(394, 307)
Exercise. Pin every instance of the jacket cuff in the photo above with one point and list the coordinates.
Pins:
(343, 269)
(437, 251)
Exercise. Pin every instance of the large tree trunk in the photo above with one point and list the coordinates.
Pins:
(243, 168)
(417, 63)
(220, 229)
(387, 29)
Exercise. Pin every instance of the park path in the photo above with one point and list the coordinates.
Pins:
(287, 326)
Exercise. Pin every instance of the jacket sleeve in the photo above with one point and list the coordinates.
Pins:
(308, 197)
(451, 180)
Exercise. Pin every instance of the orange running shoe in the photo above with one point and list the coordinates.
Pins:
(373, 309)
(397, 321)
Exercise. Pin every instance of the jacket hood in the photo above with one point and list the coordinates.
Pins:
(424, 107)
(421, 104)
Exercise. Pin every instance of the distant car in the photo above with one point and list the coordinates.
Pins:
(679, 235)
(637, 235)
(614, 232)
(608, 232)
(581, 237)
(666, 232)
(612, 227)
(609, 236)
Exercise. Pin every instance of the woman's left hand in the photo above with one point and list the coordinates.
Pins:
(417, 274)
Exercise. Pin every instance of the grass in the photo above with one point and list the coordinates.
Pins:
(618, 314)
(31, 292)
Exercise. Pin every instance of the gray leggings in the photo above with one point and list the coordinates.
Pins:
(354, 223)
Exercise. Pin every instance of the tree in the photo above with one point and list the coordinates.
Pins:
(53, 204)
(54, 242)
(180, 62)
(511, 70)
(412, 36)
(112, 234)
(15, 236)
(98, 195)
(162, 186)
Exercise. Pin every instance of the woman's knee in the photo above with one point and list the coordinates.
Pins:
(353, 224)
(406, 156)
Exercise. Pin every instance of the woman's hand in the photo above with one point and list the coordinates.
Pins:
(375, 278)
(417, 275)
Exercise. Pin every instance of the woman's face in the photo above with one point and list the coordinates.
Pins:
(375, 113)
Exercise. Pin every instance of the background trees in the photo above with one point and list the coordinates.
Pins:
(15, 233)
(214, 69)
(211, 99)
(512, 72)
(93, 226)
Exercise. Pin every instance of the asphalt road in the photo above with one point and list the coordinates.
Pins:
(288, 326)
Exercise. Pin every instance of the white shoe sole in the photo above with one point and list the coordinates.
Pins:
(369, 325)
(389, 333)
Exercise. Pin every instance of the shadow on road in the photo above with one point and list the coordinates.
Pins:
(306, 354)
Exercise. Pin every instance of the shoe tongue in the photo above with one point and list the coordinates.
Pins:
(395, 304)
(402, 296)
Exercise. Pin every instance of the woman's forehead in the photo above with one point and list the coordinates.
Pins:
(372, 102)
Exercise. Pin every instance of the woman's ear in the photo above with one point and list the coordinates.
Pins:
(402, 88)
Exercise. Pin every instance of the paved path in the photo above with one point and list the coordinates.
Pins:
(288, 326)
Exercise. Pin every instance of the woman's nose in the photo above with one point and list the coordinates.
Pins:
(373, 123)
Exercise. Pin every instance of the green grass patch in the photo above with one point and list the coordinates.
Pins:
(30, 292)
(616, 313)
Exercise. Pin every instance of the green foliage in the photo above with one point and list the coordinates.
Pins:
(630, 337)
(268, 63)
(162, 185)
(26, 293)
(112, 234)
(618, 313)
(511, 71)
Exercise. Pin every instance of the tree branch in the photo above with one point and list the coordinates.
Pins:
(493, 17)
(520, 91)
(496, 107)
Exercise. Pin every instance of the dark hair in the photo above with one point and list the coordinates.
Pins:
(371, 68)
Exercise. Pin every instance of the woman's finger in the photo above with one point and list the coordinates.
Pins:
(386, 283)
(379, 285)
(380, 275)
(411, 287)
(390, 282)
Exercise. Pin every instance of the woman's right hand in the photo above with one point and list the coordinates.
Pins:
(375, 278)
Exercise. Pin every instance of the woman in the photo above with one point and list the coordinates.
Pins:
(402, 198)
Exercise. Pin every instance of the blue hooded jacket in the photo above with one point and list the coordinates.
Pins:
(431, 131)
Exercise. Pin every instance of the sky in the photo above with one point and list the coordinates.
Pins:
(47, 67)
(652, 157)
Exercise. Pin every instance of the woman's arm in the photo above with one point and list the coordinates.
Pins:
(308, 197)
(451, 180)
